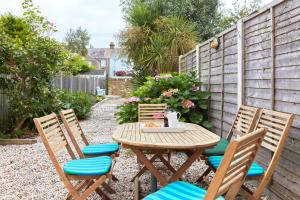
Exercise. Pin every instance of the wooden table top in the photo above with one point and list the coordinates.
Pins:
(131, 134)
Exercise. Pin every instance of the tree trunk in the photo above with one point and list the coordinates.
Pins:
(19, 125)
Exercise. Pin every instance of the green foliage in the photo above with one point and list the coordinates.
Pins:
(202, 13)
(80, 102)
(180, 92)
(238, 11)
(156, 46)
(77, 64)
(29, 60)
(77, 41)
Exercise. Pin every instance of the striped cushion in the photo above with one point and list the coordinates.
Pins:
(88, 166)
(255, 169)
(99, 149)
(218, 150)
(179, 190)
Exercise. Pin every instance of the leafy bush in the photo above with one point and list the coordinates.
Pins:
(78, 64)
(29, 60)
(80, 102)
(180, 92)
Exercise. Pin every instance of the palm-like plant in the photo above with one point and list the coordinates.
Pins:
(158, 46)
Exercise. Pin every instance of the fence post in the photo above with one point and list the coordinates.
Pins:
(240, 61)
(197, 61)
(85, 78)
(61, 81)
(179, 69)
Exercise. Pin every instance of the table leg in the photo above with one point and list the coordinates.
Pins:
(186, 165)
(166, 163)
(153, 183)
(140, 173)
(150, 166)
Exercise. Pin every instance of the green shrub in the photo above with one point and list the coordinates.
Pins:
(78, 64)
(181, 93)
(80, 102)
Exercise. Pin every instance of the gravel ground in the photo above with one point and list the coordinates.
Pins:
(26, 171)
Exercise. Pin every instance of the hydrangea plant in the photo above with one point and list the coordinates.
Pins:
(181, 92)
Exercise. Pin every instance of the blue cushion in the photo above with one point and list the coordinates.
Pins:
(99, 149)
(255, 169)
(89, 166)
(218, 150)
(179, 190)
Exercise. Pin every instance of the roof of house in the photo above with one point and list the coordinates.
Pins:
(103, 52)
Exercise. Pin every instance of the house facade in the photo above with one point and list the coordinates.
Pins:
(108, 60)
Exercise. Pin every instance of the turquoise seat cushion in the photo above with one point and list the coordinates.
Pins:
(89, 166)
(255, 169)
(218, 150)
(99, 149)
(179, 190)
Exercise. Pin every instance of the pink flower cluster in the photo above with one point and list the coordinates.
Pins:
(170, 92)
(132, 100)
(167, 94)
(187, 104)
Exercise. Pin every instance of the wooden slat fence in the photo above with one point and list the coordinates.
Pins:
(267, 76)
(4, 115)
(83, 83)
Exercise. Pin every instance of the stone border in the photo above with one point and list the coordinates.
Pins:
(17, 141)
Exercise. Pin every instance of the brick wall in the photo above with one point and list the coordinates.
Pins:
(119, 86)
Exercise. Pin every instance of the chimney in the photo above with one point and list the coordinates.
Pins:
(112, 45)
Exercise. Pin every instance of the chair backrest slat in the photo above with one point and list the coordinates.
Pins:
(74, 129)
(51, 130)
(278, 125)
(53, 138)
(235, 165)
(148, 112)
(244, 121)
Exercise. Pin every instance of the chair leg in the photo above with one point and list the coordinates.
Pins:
(114, 178)
(102, 194)
(108, 188)
(246, 189)
(204, 174)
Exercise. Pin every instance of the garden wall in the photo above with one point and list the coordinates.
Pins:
(119, 86)
(257, 63)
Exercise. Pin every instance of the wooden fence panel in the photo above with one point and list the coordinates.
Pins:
(270, 79)
(4, 115)
(80, 83)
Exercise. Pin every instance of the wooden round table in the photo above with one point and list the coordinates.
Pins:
(193, 141)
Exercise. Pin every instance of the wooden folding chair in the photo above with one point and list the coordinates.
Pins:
(244, 123)
(229, 176)
(278, 125)
(75, 132)
(91, 173)
(150, 112)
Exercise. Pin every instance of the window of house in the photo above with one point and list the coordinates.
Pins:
(103, 63)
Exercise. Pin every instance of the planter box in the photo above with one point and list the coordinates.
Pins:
(17, 141)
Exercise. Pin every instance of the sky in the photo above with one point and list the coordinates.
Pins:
(102, 18)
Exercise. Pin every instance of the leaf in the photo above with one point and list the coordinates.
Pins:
(196, 117)
(207, 124)
(203, 105)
